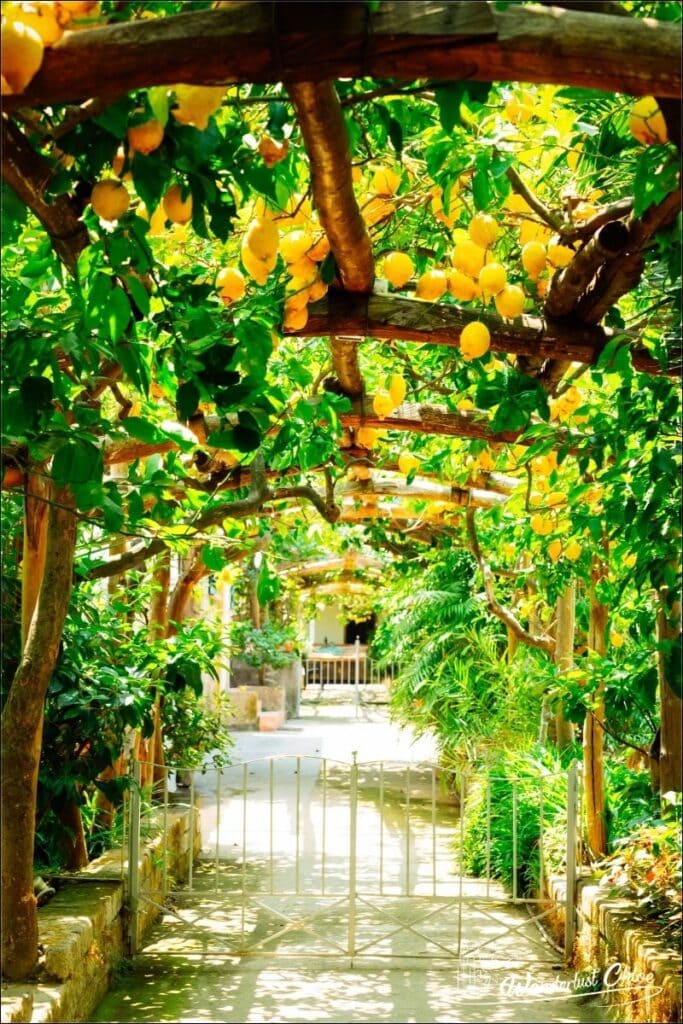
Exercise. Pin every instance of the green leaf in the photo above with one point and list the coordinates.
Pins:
(142, 430)
(151, 176)
(77, 462)
(481, 189)
(328, 269)
(37, 392)
(213, 558)
(119, 313)
(138, 293)
(187, 399)
(158, 102)
(223, 439)
(448, 99)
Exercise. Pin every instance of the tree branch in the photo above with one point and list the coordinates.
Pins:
(543, 643)
(27, 173)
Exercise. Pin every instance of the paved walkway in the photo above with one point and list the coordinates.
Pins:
(185, 972)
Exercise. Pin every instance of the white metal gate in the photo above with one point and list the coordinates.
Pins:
(303, 855)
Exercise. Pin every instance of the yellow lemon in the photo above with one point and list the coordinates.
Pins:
(616, 638)
(468, 257)
(319, 249)
(431, 285)
(317, 290)
(385, 182)
(510, 301)
(483, 230)
(41, 17)
(560, 255)
(178, 210)
(295, 245)
(262, 237)
(646, 121)
(554, 549)
(461, 287)
(407, 463)
(542, 525)
(257, 269)
(196, 103)
(492, 278)
(555, 498)
(397, 388)
(295, 319)
(486, 461)
(475, 340)
(465, 405)
(573, 550)
(534, 258)
(382, 403)
(230, 284)
(297, 296)
(109, 199)
(304, 269)
(145, 138)
(367, 437)
(21, 51)
(630, 560)
(398, 269)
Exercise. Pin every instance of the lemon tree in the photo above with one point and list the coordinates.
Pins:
(227, 301)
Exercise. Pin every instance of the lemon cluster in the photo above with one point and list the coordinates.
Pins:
(30, 28)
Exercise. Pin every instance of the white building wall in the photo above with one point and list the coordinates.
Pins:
(327, 626)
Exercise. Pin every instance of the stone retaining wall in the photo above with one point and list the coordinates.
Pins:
(646, 987)
(83, 928)
(245, 704)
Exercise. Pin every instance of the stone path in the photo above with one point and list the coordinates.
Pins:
(184, 973)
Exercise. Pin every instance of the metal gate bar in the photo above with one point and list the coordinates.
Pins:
(414, 863)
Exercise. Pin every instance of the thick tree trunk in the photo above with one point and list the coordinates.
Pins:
(564, 657)
(593, 732)
(35, 533)
(669, 665)
(22, 725)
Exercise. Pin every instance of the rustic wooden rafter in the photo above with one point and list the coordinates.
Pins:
(391, 317)
(253, 42)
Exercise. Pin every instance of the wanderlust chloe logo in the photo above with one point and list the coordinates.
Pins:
(581, 983)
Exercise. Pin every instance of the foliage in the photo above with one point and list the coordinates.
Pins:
(103, 690)
(272, 644)
(646, 868)
(539, 780)
(630, 801)
(196, 730)
(453, 679)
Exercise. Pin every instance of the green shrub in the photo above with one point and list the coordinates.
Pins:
(646, 868)
(525, 770)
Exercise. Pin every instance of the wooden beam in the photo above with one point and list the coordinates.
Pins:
(391, 317)
(293, 42)
(423, 490)
(432, 419)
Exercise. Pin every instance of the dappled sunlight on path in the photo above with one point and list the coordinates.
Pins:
(280, 951)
